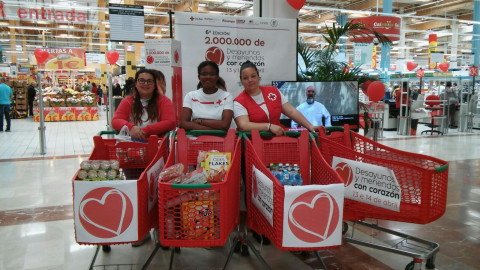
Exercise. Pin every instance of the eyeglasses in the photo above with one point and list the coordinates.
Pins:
(208, 74)
(143, 81)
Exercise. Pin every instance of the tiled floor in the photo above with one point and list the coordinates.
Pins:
(37, 232)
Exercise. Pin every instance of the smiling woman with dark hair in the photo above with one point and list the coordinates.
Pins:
(146, 112)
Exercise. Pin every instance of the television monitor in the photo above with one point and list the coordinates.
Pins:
(339, 98)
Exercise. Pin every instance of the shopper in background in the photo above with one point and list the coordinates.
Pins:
(146, 112)
(129, 85)
(31, 96)
(117, 90)
(314, 111)
(451, 98)
(160, 81)
(6, 96)
(404, 97)
(99, 94)
(78, 87)
(259, 107)
(210, 107)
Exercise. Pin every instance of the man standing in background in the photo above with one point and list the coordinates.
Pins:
(314, 111)
(6, 96)
(31, 96)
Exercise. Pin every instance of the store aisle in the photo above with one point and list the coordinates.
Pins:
(36, 225)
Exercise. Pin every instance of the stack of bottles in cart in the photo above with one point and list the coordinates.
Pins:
(286, 174)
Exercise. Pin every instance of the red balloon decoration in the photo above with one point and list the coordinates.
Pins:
(112, 57)
(41, 55)
(376, 91)
(432, 100)
(411, 66)
(364, 87)
(444, 66)
(296, 4)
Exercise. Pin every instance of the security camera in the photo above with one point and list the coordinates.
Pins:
(375, 41)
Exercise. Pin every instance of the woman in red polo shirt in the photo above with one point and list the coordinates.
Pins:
(259, 107)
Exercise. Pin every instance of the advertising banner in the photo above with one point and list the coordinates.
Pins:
(369, 183)
(106, 211)
(313, 215)
(269, 43)
(64, 59)
(363, 53)
(262, 194)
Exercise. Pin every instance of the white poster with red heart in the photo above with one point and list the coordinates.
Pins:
(152, 176)
(368, 183)
(229, 41)
(312, 215)
(106, 211)
(262, 194)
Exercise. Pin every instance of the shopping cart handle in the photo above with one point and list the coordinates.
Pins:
(334, 128)
(107, 132)
(441, 168)
(207, 132)
(192, 186)
(246, 134)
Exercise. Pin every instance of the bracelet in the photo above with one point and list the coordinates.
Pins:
(269, 125)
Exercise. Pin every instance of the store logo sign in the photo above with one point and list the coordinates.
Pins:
(215, 54)
(37, 13)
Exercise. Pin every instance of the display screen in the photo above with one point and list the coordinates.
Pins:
(339, 98)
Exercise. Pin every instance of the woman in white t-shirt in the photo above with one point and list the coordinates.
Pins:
(208, 108)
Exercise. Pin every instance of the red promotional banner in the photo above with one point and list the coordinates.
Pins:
(432, 47)
(473, 71)
(420, 73)
(387, 25)
(63, 59)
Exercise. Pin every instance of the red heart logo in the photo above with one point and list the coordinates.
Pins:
(112, 57)
(41, 55)
(313, 216)
(444, 66)
(411, 66)
(345, 172)
(215, 54)
(296, 4)
(150, 59)
(106, 212)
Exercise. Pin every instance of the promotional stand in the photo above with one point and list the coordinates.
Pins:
(41, 57)
(112, 212)
(419, 197)
(200, 215)
(305, 217)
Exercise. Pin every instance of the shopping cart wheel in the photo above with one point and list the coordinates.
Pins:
(177, 250)
(430, 263)
(345, 228)
(106, 248)
(410, 266)
(238, 246)
(244, 250)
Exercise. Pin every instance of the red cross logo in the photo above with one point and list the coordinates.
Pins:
(219, 102)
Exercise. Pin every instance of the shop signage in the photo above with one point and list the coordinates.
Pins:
(387, 25)
(473, 71)
(420, 73)
(43, 13)
(64, 59)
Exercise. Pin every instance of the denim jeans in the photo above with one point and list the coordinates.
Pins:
(5, 110)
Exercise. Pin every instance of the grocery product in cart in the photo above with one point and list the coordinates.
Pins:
(306, 217)
(199, 215)
(386, 183)
(118, 211)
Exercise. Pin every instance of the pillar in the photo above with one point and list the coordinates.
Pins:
(476, 32)
(385, 61)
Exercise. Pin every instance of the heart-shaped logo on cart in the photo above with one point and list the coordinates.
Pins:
(215, 54)
(345, 172)
(296, 4)
(313, 216)
(106, 215)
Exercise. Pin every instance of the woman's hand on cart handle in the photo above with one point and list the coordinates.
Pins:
(276, 129)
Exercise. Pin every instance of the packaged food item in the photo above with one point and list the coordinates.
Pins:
(85, 165)
(216, 165)
(196, 177)
(171, 172)
(104, 164)
(82, 174)
(202, 155)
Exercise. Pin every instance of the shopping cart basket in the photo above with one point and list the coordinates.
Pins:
(200, 215)
(294, 218)
(120, 211)
(422, 182)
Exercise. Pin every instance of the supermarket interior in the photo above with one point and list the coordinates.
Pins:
(400, 94)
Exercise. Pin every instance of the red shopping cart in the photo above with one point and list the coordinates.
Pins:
(200, 215)
(422, 181)
(294, 218)
(113, 212)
